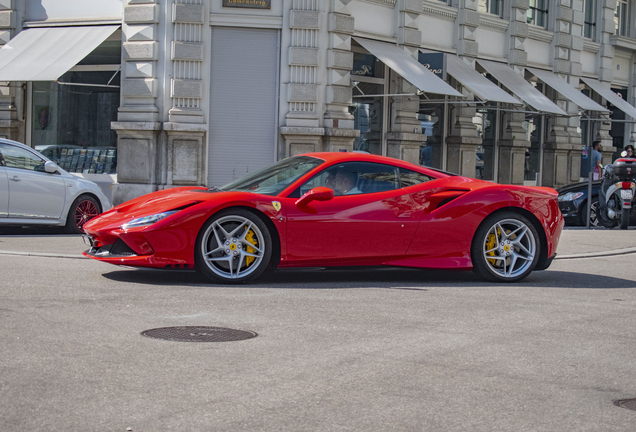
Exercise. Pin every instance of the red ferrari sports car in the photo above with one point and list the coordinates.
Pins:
(335, 209)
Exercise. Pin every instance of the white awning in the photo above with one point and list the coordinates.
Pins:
(606, 91)
(476, 82)
(409, 68)
(566, 90)
(520, 87)
(46, 53)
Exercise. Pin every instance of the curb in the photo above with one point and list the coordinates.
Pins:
(598, 254)
(46, 255)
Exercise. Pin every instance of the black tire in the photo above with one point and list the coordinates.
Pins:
(507, 256)
(83, 209)
(593, 213)
(625, 214)
(233, 246)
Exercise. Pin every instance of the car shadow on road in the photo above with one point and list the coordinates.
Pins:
(388, 278)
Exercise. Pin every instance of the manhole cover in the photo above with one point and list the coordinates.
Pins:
(199, 334)
(626, 403)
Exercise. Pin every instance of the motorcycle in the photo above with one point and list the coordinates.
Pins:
(617, 193)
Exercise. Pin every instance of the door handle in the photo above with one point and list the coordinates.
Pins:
(15, 178)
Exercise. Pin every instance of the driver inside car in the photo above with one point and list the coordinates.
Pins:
(346, 182)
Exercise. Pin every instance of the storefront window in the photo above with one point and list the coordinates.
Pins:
(368, 116)
(617, 132)
(533, 128)
(432, 121)
(486, 122)
(368, 107)
(71, 122)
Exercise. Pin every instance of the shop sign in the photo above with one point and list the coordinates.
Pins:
(363, 65)
(434, 62)
(248, 4)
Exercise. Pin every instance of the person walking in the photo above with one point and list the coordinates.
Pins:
(596, 160)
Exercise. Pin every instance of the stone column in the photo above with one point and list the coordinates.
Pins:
(185, 156)
(558, 164)
(405, 134)
(11, 123)
(575, 72)
(339, 125)
(605, 72)
(512, 142)
(512, 149)
(463, 139)
(138, 121)
(302, 131)
(518, 32)
(630, 128)
(463, 136)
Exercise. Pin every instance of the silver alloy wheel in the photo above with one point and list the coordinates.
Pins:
(593, 217)
(233, 247)
(509, 248)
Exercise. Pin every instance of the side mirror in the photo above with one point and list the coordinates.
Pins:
(50, 167)
(320, 193)
(623, 153)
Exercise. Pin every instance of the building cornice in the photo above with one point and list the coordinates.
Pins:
(539, 34)
(493, 22)
(623, 42)
(387, 3)
(591, 46)
(439, 9)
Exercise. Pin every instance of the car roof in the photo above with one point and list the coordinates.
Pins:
(23, 146)
(336, 157)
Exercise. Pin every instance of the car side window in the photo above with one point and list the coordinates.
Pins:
(411, 178)
(352, 178)
(1, 159)
(15, 157)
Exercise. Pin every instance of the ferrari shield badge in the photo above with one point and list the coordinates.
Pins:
(276, 205)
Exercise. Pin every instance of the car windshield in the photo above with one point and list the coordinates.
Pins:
(273, 179)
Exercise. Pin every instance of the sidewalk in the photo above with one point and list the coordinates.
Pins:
(575, 243)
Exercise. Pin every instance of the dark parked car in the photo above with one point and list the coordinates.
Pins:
(573, 204)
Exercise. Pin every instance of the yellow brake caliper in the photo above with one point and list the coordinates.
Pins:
(250, 239)
(491, 244)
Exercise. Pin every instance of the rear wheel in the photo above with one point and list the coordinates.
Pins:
(505, 248)
(83, 209)
(233, 246)
(625, 214)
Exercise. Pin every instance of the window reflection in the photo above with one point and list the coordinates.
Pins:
(485, 120)
(432, 122)
(71, 123)
(367, 114)
(533, 127)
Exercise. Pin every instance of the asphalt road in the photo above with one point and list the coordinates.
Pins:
(346, 350)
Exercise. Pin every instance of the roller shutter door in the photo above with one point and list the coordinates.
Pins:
(243, 102)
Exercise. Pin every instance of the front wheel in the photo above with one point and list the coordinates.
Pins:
(593, 213)
(83, 209)
(505, 248)
(233, 246)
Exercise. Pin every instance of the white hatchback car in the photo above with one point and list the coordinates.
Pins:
(35, 191)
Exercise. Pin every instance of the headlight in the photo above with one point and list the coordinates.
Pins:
(147, 220)
(570, 196)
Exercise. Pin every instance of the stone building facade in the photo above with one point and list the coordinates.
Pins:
(208, 90)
